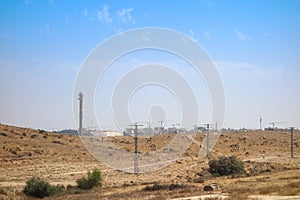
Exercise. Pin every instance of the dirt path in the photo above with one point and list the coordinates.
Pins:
(224, 196)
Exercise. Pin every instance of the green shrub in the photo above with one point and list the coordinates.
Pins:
(93, 178)
(41, 131)
(224, 166)
(37, 187)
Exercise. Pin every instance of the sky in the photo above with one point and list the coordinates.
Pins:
(255, 46)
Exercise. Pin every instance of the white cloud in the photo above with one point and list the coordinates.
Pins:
(85, 11)
(27, 2)
(125, 15)
(209, 3)
(192, 33)
(207, 34)
(48, 27)
(104, 15)
(241, 35)
(192, 36)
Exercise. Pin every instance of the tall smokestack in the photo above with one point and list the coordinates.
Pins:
(80, 98)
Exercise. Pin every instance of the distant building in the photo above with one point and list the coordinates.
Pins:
(105, 133)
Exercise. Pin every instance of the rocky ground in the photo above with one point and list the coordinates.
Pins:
(61, 159)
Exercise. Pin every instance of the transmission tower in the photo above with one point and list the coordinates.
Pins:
(136, 158)
(260, 123)
(80, 98)
(207, 139)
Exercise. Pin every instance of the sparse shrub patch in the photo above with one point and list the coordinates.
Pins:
(224, 166)
(93, 178)
(41, 131)
(40, 188)
(158, 186)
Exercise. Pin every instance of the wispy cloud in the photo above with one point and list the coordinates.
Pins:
(192, 34)
(66, 19)
(27, 2)
(48, 27)
(209, 3)
(241, 70)
(125, 15)
(85, 11)
(104, 15)
(6, 36)
(207, 33)
(241, 35)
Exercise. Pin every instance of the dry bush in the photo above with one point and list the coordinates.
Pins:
(224, 166)
(93, 178)
(158, 186)
(37, 187)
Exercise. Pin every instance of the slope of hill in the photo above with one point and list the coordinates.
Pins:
(61, 159)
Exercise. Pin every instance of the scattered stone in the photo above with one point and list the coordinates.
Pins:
(3, 134)
(211, 187)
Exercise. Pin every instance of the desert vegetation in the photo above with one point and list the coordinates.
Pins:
(252, 161)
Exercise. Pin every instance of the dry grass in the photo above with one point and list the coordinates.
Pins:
(61, 159)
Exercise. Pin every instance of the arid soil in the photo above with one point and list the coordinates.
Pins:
(61, 159)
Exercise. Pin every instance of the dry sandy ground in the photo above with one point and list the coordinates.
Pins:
(61, 159)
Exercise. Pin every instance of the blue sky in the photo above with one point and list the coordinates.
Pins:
(254, 44)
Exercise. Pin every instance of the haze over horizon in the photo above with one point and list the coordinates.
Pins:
(255, 46)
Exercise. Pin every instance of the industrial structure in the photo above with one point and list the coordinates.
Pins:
(80, 98)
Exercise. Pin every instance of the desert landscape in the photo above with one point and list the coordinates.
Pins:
(61, 159)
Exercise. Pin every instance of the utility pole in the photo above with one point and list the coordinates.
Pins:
(161, 125)
(136, 158)
(260, 123)
(80, 98)
(207, 139)
(292, 142)
(273, 124)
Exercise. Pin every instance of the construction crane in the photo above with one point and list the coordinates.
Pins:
(273, 124)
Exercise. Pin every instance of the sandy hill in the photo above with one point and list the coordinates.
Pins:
(61, 159)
